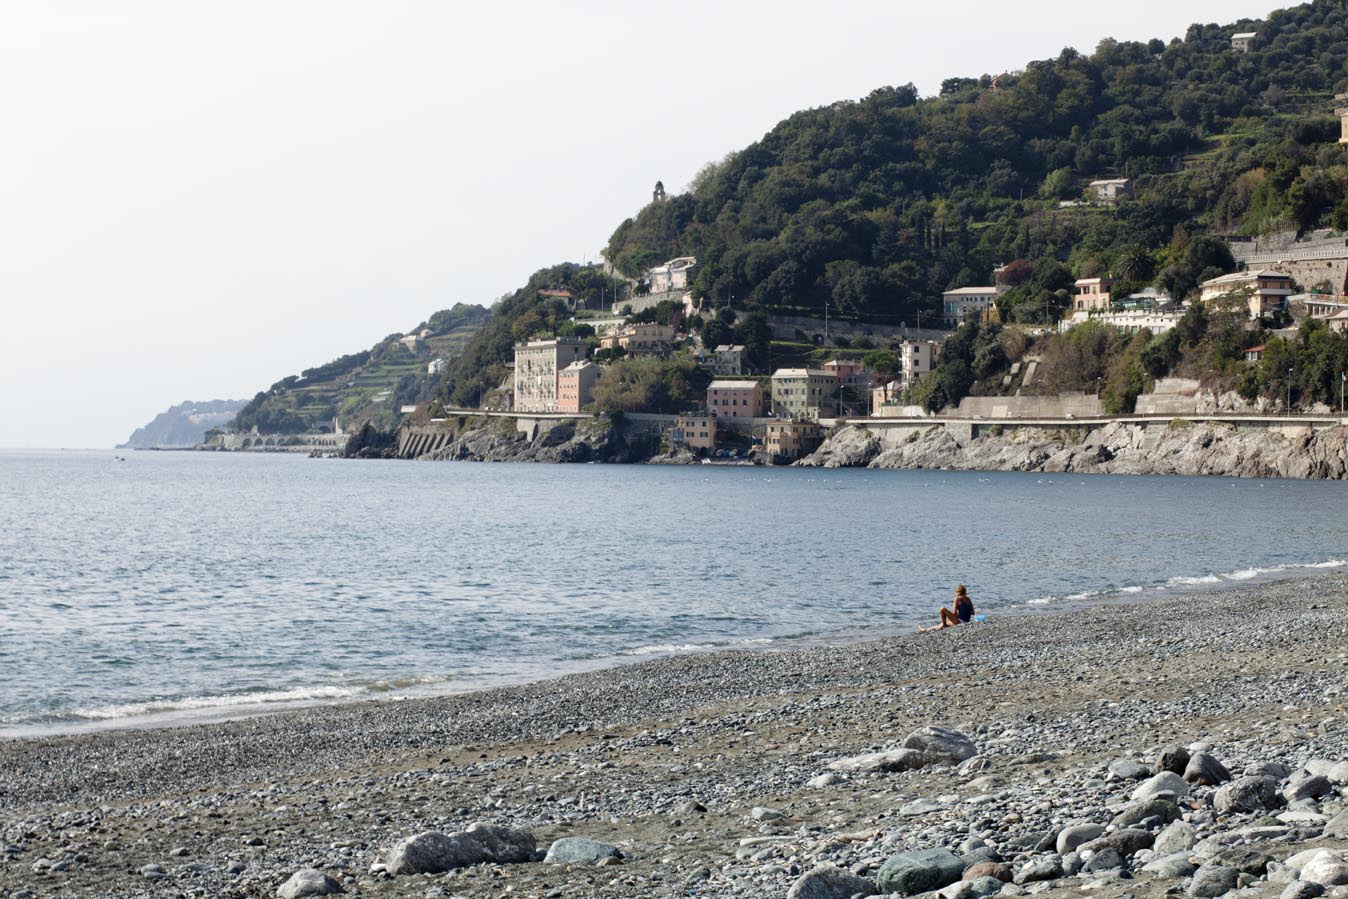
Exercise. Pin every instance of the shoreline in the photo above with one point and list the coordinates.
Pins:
(629, 755)
(198, 711)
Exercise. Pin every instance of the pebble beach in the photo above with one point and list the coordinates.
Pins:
(1193, 745)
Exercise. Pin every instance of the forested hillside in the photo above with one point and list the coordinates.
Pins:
(877, 206)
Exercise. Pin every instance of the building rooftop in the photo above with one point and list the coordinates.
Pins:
(1241, 277)
(969, 291)
(801, 373)
(732, 385)
(730, 348)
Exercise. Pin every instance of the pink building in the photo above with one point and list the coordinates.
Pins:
(575, 386)
(735, 399)
(849, 372)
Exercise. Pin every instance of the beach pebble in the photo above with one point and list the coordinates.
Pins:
(1127, 769)
(763, 813)
(579, 851)
(919, 871)
(1176, 864)
(1213, 880)
(1172, 758)
(153, 872)
(1303, 785)
(830, 882)
(308, 882)
(1328, 869)
(1247, 794)
(1076, 835)
(1166, 785)
(1205, 771)
(1179, 836)
(1163, 810)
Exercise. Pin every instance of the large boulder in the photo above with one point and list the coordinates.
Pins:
(1338, 826)
(1172, 758)
(1126, 841)
(579, 851)
(1247, 794)
(919, 871)
(1211, 881)
(1304, 785)
(1245, 859)
(1040, 868)
(830, 882)
(1073, 836)
(890, 760)
(1329, 869)
(941, 745)
(1138, 812)
(1166, 785)
(1180, 836)
(1204, 770)
(433, 852)
(308, 882)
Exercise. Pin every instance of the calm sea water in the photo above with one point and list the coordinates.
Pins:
(182, 584)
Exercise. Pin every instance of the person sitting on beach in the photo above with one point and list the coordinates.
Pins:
(963, 614)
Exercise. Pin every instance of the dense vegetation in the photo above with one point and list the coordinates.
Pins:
(877, 206)
(372, 384)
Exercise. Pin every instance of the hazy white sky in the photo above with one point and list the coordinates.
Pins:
(197, 199)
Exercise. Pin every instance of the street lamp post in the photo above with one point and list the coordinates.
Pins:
(1289, 391)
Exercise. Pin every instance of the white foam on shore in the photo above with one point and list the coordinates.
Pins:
(196, 703)
(1182, 582)
(652, 649)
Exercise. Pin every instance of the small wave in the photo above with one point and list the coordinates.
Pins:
(666, 648)
(1130, 589)
(195, 703)
(1193, 581)
(1040, 601)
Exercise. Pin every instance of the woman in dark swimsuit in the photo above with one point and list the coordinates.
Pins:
(963, 614)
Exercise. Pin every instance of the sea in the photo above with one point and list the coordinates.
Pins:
(148, 588)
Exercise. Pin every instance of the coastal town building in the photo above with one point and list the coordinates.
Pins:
(1109, 191)
(1254, 353)
(850, 373)
(575, 386)
(537, 365)
(735, 399)
(917, 358)
(1341, 110)
(605, 325)
(1241, 41)
(1338, 322)
(676, 274)
(694, 431)
(1262, 291)
(1091, 294)
(963, 303)
(728, 359)
(436, 367)
(1316, 305)
(1131, 320)
(411, 342)
(642, 339)
(785, 440)
(803, 393)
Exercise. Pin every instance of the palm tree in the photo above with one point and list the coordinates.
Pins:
(1134, 264)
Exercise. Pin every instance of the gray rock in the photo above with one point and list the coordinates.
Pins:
(827, 779)
(890, 760)
(579, 851)
(1077, 835)
(1178, 837)
(1338, 825)
(236, 867)
(1175, 864)
(1040, 868)
(919, 871)
(763, 813)
(1071, 863)
(1275, 770)
(1302, 889)
(1306, 786)
(830, 882)
(1127, 769)
(920, 807)
(1338, 774)
(999, 870)
(1204, 770)
(984, 886)
(308, 882)
(941, 745)
(1247, 794)
(975, 765)
(1329, 869)
(433, 853)
(1138, 812)
(1245, 859)
(153, 872)
(1172, 758)
(1126, 841)
(1166, 785)
(1211, 881)
(1105, 858)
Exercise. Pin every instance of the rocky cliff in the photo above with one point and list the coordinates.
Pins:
(182, 425)
(1184, 448)
(588, 440)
